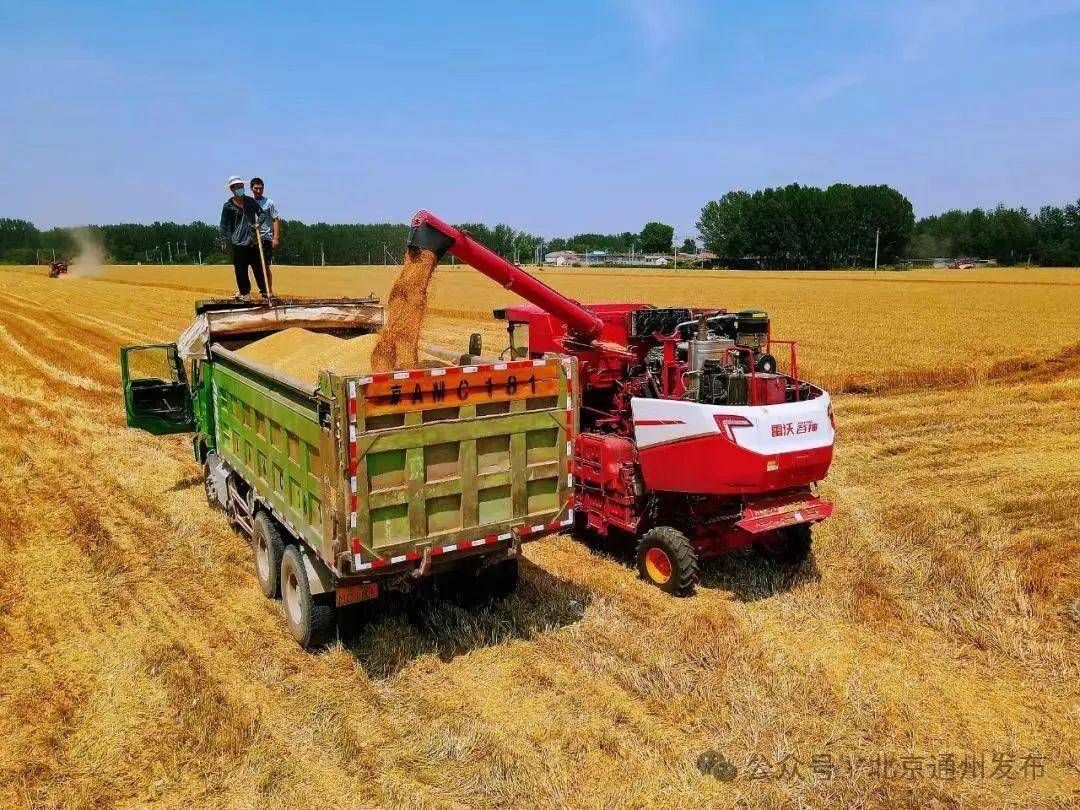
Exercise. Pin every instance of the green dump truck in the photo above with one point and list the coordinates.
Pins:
(361, 484)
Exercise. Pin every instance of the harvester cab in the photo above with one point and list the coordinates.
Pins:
(692, 439)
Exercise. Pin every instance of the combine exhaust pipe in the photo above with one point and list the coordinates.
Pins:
(430, 232)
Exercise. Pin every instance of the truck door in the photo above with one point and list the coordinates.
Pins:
(156, 394)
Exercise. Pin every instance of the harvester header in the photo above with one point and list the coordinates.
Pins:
(431, 233)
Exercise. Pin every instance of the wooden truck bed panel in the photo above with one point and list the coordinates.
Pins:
(442, 459)
(272, 438)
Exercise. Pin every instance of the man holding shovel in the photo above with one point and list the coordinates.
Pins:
(239, 233)
(269, 228)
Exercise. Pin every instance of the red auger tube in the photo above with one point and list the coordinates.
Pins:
(428, 231)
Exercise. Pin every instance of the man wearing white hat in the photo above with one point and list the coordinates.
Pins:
(238, 233)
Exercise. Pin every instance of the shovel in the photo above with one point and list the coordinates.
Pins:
(267, 274)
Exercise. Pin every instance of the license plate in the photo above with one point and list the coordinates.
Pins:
(350, 594)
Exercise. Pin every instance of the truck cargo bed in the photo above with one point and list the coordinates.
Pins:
(387, 469)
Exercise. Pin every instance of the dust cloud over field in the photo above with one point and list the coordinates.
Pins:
(938, 617)
(89, 254)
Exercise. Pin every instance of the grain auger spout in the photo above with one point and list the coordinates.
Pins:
(430, 232)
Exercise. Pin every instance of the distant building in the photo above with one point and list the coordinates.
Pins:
(562, 258)
(944, 262)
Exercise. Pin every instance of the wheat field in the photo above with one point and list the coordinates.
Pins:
(927, 655)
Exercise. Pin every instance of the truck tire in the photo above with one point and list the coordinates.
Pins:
(268, 547)
(666, 559)
(787, 547)
(311, 619)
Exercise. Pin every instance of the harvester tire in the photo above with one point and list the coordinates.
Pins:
(788, 547)
(269, 548)
(311, 619)
(666, 559)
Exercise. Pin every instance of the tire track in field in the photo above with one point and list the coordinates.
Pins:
(72, 345)
(149, 314)
(71, 324)
(54, 372)
(122, 539)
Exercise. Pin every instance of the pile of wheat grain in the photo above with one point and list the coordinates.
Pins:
(398, 345)
(302, 353)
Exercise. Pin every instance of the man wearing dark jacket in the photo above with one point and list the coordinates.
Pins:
(239, 218)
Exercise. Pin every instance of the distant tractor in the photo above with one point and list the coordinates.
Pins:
(58, 268)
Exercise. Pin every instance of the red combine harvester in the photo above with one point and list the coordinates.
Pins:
(690, 442)
(58, 268)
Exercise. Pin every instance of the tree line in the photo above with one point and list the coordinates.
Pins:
(802, 226)
(302, 243)
(1050, 238)
(655, 237)
(793, 226)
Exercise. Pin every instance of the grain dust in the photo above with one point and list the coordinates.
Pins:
(398, 345)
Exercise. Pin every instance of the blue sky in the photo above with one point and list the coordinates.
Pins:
(556, 117)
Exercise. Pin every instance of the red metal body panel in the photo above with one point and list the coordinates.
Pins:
(769, 389)
(608, 487)
(760, 517)
(770, 513)
(713, 465)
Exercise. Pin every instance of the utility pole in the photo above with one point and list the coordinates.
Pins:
(877, 240)
(322, 254)
(169, 246)
(200, 257)
(675, 244)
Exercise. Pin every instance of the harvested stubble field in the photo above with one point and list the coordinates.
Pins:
(140, 663)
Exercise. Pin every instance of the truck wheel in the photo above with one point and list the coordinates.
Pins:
(789, 546)
(268, 546)
(311, 619)
(667, 560)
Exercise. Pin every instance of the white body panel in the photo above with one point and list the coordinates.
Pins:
(785, 428)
